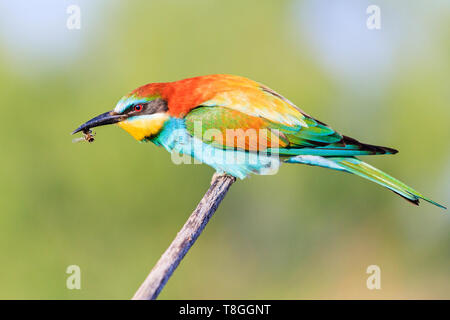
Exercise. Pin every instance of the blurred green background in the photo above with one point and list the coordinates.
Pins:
(114, 206)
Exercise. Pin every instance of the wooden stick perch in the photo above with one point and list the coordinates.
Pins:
(171, 258)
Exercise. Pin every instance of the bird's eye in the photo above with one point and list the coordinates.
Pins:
(138, 108)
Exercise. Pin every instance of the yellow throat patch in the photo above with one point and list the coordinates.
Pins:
(144, 126)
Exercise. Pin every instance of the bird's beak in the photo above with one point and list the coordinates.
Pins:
(109, 117)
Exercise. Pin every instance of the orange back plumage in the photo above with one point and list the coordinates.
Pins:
(184, 95)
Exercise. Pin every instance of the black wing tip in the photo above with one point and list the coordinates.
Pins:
(414, 201)
(388, 150)
(373, 149)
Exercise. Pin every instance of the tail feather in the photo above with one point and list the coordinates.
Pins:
(365, 170)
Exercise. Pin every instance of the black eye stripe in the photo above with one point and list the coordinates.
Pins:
(132, 107)
(150, 107)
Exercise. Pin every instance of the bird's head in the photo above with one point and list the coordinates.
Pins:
(142, 113)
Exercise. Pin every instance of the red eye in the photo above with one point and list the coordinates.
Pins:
(138, 107)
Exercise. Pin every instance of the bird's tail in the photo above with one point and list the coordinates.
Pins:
(365, 170)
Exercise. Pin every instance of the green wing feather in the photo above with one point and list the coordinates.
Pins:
(315, 139)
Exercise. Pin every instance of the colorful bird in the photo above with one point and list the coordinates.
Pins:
(239, 126)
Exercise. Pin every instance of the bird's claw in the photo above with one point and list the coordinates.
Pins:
(217, 175)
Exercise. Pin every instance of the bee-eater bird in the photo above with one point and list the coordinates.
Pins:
(195, 116)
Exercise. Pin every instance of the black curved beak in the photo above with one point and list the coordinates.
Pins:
(109, 117)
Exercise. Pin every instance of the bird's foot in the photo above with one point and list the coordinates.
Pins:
(217, 175)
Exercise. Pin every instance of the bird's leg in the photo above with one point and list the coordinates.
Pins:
(216, 175)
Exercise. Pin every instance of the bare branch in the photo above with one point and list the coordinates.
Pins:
(185, 238)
